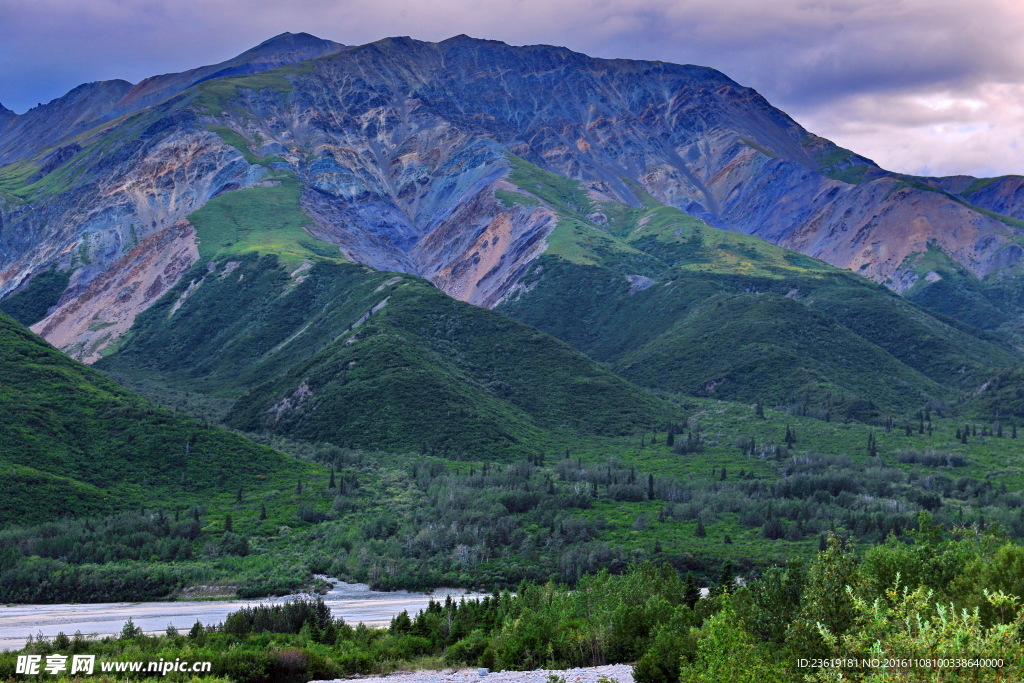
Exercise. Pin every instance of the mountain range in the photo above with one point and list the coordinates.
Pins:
(462, 313)
(292, 232)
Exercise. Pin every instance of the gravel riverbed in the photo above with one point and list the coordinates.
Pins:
(622, 673)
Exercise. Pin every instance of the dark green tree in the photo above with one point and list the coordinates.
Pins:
(691, 592)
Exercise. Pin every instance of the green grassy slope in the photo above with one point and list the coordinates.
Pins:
(429, 371)
(72, 442)
(732, 316)
(265, 220)
(371, 359)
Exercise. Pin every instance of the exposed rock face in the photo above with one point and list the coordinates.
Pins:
(43, 125)
(91, 104)
(870, 228)
(88, 320)
(405, 131)
(132, 193)
(493, 247)
(401, 145)
(1003, 195)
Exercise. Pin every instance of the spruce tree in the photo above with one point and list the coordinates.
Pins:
(691, 593)
(263, 511)
(228, 523)
(700, 531)
(727, 579)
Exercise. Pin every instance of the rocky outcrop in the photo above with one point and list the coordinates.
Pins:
(6, 116)
(89, 319)
(478, 252)
(122, 236)
(870, 228)
(124, 198)
(1003, 195)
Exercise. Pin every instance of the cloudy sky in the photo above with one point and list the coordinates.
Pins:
(920, 86)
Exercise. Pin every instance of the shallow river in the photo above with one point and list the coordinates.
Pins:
(353, 602)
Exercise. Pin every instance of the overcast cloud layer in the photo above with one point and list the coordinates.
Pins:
(934, 87)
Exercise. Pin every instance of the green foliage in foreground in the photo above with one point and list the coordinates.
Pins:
(930, 599)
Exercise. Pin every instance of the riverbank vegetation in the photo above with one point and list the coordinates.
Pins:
(950, 599)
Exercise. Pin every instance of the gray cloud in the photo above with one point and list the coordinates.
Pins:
(870, 74)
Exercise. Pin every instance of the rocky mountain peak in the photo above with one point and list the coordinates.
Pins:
(297, 45)
(6, 115)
